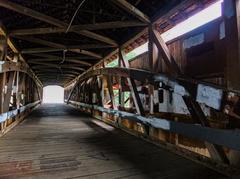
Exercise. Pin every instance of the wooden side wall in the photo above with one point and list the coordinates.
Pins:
(200, 53)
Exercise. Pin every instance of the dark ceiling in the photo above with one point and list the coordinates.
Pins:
(57, 57)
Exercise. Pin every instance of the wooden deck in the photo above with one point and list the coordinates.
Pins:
(57, 141)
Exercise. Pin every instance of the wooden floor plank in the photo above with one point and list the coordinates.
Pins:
(57, 141)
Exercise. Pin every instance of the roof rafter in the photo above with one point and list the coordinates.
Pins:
(32, 13)
(47, 78)
(48, 56)
(48, 66)
(55, 75)
(76, 63)
(40, 50)
(48, 70)
(58, 60)
(59, 47)
(50, 49)
(96, 26)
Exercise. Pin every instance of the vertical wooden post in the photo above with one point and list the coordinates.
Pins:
(231, 9)
(16, 59)
(103, 63)
(151, 62)
(3, 52)
(120, 81)
(17, 91)
(7, 96)
(2, 79)
(102, 91)
(3, 48)
(150, 47)
(121, 93)
(110, 90)
(21, 90)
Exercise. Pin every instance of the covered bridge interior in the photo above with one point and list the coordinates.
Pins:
(151, 88)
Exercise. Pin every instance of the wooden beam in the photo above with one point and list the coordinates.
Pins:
(55, 77)
(3, 54)
(22, 84)
(151, 55)
(232, 25)
(79, 62)
(60, 46)
(110, 91)
(47, 63)
(45, 18)
(132, 10)
(120, 82)
(47, 70)
(50, 49)
(44, 55)
(7, 96)
(165, 53)
(55, 73)
(60, 74)
(55, 80)
(96, 26)
(40, 50)
(150, 47)
(47, 79)
(3, 47)
(45, 60)
(2, 86)
(68, 59)
(29, 12)
(41, 41)
(37, 31)
(44, 66)
(48, 56)
(85, 52)
(55, 45)
(108, 25)
(90, 46)
(98, 37)
(59, 60)
(72, 90)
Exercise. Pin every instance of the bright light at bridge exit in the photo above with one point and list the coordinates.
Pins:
(53, 94)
